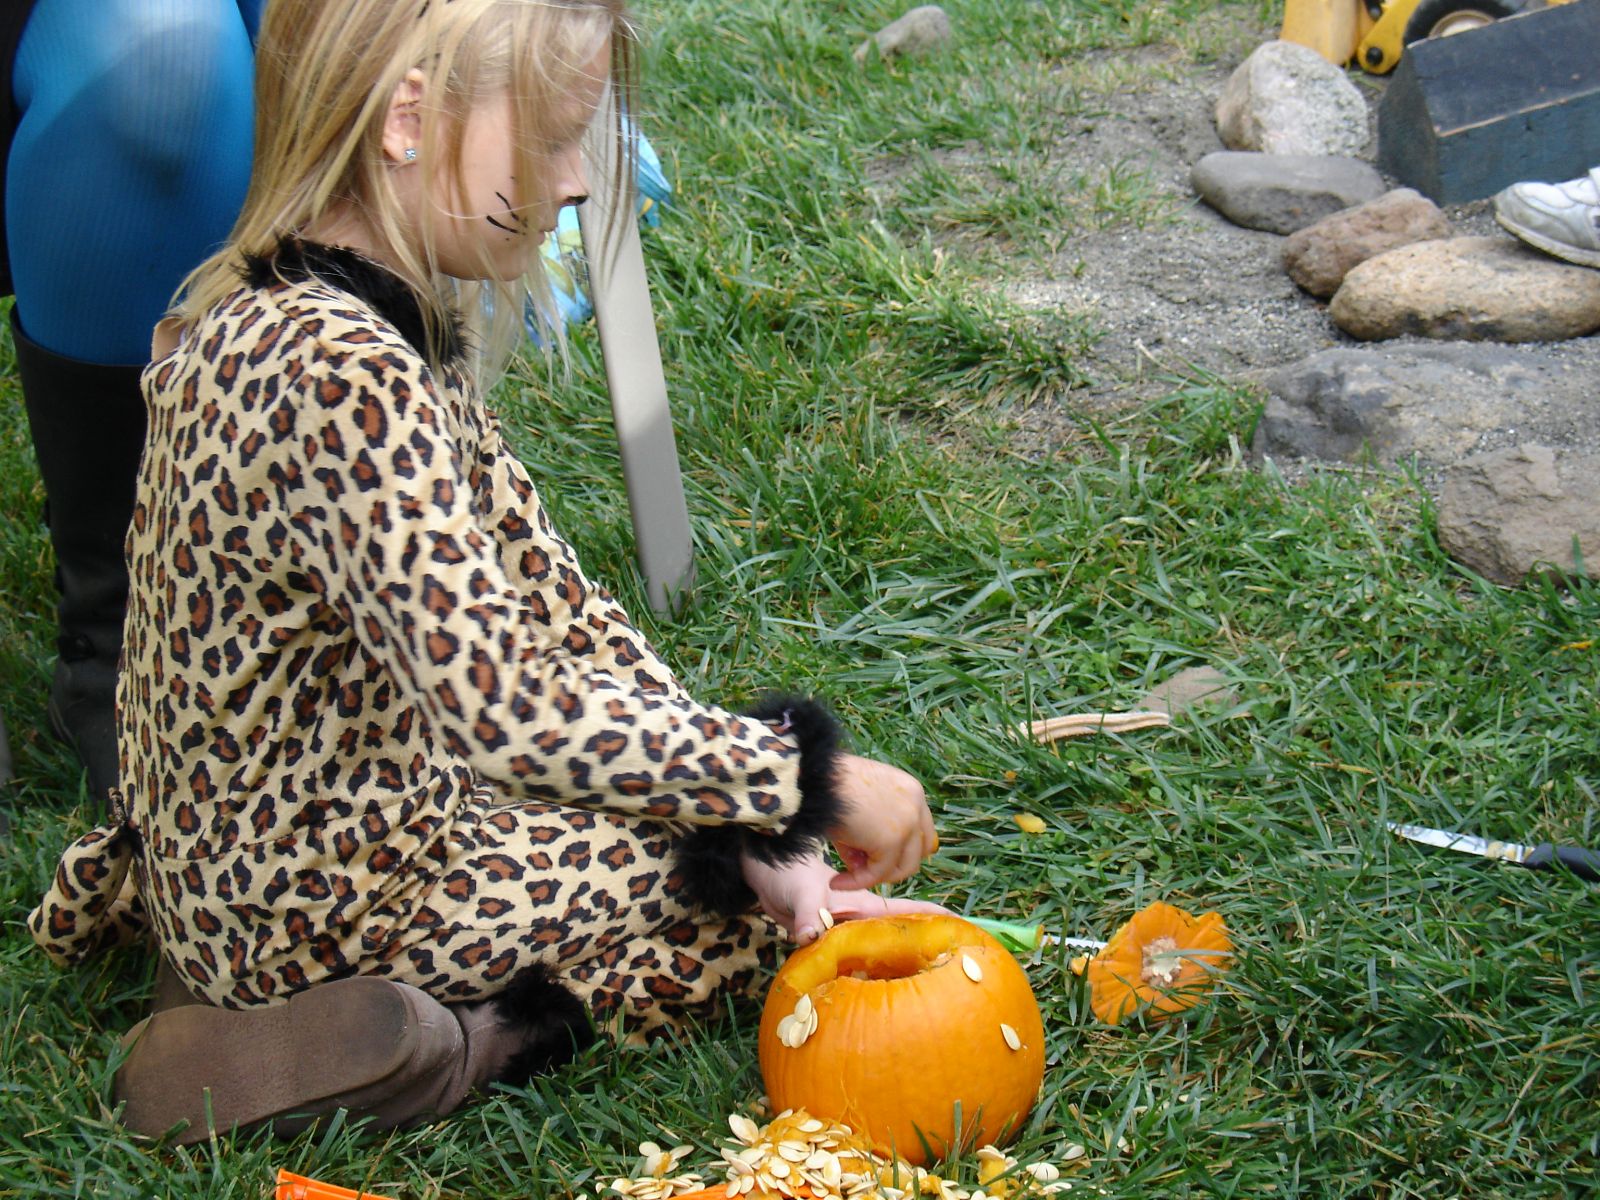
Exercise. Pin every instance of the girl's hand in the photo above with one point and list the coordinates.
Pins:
(794, 895)
(887, 830)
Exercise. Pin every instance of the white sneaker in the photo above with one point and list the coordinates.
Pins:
(1562, 219)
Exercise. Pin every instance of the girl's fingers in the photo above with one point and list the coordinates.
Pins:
(857, 880)
(855, 860)
(850, 906)
(901, 907)
(810, 900)
(863, 872)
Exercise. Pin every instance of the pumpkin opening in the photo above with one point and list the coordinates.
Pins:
(857, 951)
(882, 966)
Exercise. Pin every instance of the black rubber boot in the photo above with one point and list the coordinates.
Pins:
(88, 425)
(386, 1053)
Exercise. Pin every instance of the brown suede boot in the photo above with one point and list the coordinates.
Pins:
(387, 1053)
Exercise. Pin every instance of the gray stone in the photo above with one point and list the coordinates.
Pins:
(1477, 288)
(1281, 193)
(1435, 404)
(1510, 513)
(919, 31)
(1319, 256)
(1192, 689)
(1287, 99)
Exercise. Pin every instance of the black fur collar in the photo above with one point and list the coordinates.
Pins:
(390, 296)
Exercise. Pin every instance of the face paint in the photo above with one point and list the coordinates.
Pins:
(521, 222)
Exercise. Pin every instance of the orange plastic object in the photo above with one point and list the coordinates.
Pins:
(298, 1187)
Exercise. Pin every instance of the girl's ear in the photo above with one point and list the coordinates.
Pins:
(402, 127)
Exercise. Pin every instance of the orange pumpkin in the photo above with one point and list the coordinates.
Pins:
(889, 1024)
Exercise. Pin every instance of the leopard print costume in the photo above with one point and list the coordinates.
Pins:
(373, 716)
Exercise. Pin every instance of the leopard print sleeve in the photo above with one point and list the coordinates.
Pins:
(533, 552)
(509, 677)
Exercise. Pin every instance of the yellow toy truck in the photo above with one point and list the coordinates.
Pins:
(1373, 33)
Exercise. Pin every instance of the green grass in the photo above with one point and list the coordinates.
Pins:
(1401, 1023)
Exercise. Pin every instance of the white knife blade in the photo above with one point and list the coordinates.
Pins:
(1514, 852)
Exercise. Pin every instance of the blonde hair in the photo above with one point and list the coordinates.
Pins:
(326, 72)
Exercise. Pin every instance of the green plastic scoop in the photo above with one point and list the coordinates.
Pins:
(1023, 939)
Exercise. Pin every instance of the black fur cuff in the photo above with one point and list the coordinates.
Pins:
(708, 860)
(553, 1022)
(709, 855)
(821, 808)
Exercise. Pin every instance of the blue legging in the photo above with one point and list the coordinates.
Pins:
(129, 164)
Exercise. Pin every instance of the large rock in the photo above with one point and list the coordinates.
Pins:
(1433, 403)
(1511, 512)
(1281, 193)
(1288, 99)
(1476, 288)
(919, 31)
(1319, 256)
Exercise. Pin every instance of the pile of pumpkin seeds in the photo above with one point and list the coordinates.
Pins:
(800, 1157)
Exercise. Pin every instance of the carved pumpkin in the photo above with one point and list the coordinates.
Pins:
(888, 1024)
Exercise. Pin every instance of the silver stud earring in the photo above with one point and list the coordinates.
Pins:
(411, 154)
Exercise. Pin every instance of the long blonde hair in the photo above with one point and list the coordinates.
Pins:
(326, 71)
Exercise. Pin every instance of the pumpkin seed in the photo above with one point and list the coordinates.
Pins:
(1073, 1151)
(795, 1152)
(1044, 1172)
(826, 917)
(971, 967)
(803, 1007)
(744, 1128)
(1010, 1036)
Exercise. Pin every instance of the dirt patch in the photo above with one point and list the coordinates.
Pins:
(1179, 292)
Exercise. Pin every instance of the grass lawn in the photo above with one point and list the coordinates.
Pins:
(1400, 1022)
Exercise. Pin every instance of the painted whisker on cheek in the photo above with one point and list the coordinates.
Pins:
(522, 222)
